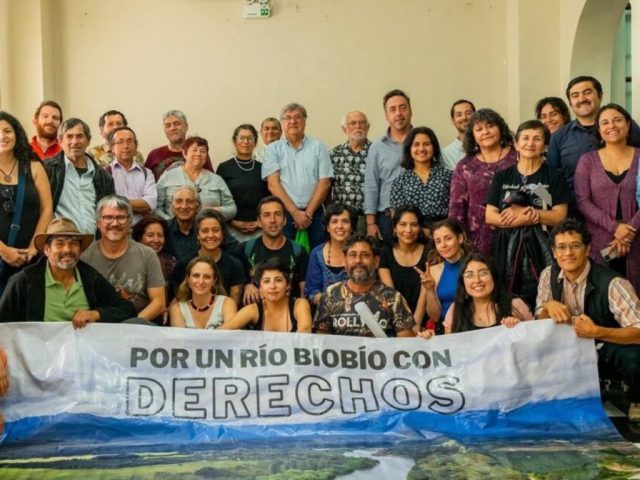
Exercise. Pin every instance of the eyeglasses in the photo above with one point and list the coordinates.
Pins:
(291, 118)
(564, 247)
(122, 141)
(357, 123)
(481, 274)
(242, 139)
(117, 218)
(7, 193)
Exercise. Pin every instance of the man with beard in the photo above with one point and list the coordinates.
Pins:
(132, 268)
(61, 287)
(337, 313)
(272, 243)
(46, 120)
(175, 126)
(349, 161)
(461, 112)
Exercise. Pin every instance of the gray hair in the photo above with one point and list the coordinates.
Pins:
(175, 113)
(71, 123)
(191, 189)
(114, 201)
(344, 119)
(293, 106)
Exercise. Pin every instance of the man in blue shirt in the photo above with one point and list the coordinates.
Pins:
(383, 165)
(576, 138)
(298, 171)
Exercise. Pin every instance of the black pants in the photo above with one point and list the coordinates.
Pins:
(621, 361)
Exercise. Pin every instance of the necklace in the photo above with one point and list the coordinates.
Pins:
(329, 255)
(239, 164)
(8, 176)
(202, 309)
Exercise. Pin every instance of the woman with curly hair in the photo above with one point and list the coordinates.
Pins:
(488, 145)
(24, 192)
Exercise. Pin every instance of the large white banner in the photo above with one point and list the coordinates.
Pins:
(241, 384)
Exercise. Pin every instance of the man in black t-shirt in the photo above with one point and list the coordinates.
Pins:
(272, 243)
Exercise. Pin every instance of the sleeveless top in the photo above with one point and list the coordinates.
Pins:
(215, 318)
(259, 325)
(30, 216)
(448, 284)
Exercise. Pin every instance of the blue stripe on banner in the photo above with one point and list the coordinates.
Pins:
(554, 419)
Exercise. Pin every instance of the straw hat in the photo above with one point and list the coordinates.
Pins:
(62, 227)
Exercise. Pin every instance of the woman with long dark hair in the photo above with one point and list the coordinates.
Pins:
(439, 278)
(399, 261)
(423, 182)
(606, 191)
(24, 191)
(481, 300)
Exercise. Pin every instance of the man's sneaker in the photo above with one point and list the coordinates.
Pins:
(634, 412)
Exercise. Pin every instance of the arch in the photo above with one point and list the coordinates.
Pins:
(595, 39)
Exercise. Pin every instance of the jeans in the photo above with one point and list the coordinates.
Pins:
(317, 234)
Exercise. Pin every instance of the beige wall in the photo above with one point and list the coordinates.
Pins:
(201, 56)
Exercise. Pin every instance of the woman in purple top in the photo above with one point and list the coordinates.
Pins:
(605, 188)
(488, 145)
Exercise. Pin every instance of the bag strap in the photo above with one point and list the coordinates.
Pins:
(17, 213)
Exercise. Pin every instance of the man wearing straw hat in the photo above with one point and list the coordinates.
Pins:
(60, 286)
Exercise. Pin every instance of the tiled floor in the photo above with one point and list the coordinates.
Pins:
(629, 430)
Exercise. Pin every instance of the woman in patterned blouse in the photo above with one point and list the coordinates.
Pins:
(424, 182)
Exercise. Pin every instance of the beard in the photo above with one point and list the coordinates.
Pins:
(42, 132)
(361, 274)
(69, 265)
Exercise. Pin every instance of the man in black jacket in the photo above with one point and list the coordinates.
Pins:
(60, 286)
(77, 181)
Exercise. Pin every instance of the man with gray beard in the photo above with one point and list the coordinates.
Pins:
(339, 312)
(61, 287)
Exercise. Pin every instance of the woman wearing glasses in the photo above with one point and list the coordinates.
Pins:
(242, 173)
(212, 189)
(24, 191)
(481, 300)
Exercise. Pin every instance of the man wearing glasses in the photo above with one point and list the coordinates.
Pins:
(349, 162)
(363, 306)
(597, 302)
(77, 181)
(61, 287)
(298, 170)
(131, 180)
(132, 268)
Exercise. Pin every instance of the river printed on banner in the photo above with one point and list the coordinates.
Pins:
(331, 458)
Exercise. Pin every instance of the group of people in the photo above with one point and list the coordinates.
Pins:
(397, 237)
